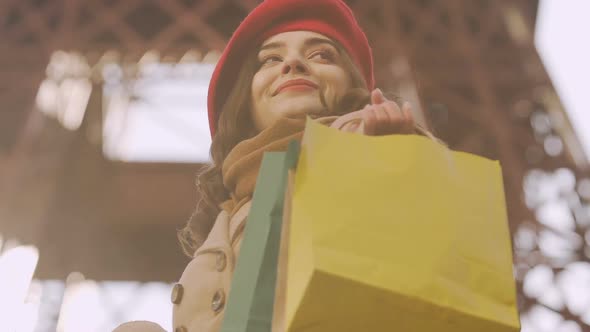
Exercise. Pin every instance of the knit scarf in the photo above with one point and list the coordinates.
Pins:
(240, 168)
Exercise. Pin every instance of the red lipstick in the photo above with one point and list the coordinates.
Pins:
(296, 84)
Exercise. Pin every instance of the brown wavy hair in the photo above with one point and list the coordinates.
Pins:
(235, 124)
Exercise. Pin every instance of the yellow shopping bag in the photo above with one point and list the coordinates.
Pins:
(395, 233)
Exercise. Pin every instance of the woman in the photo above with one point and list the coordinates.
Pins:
(288, 59)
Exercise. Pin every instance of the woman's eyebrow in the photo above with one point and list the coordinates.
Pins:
(316, 41)
(308, 42)
(271, 45)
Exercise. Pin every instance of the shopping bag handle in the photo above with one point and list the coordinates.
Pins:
(361, 125)
(292, 155)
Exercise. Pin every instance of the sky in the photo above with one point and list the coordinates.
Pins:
(562, 38)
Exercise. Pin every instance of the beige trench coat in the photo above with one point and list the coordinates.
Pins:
(200, 295)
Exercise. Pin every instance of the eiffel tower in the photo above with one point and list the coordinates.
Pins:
(470, 68)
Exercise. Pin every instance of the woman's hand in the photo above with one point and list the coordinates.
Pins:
(381, 117)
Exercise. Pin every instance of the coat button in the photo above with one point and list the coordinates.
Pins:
(181, 329)
(218, 301)
(177, 292)
(220, 261)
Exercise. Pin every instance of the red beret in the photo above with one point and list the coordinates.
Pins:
(332, 18)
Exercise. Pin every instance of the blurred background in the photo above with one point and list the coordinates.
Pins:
(103, 128)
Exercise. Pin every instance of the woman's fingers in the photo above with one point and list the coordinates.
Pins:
(383, 118)
(346, 118)
(388, 119)
(377, 97)
(395, 116)
(352, 127)
(378, 119)
(351, 122)
(369, 119)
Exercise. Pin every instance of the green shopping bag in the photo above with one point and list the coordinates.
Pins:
(251, 298)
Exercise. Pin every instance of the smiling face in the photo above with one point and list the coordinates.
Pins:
(294, 68)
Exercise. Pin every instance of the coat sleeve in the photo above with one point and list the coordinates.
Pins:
(139, 326)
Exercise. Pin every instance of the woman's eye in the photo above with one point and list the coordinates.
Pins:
(270, 59)
(323, 55)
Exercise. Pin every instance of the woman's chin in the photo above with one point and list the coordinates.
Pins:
(300, 108)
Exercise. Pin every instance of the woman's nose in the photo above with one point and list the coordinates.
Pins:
(294, 65)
